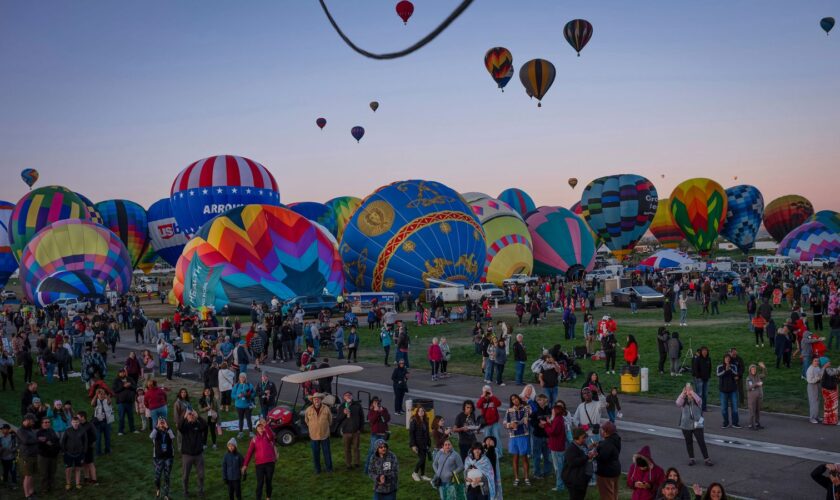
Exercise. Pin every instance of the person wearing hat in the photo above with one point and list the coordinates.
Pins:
(399, 377)
(37, 408)
(378, 418)
(233, 467)
(319, 420)
(384, 471)
(350, 422)
(28, 454)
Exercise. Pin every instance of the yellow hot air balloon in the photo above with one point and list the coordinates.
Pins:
(663, 227)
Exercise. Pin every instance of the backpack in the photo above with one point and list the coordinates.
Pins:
(829, 382)
(298, 356)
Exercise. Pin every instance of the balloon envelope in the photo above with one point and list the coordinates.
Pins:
(404, 9)
(93, 214)
(784, 214)
(619, 209)
(165, 235)
(127, 220)
(699, 209)
(8, 264)
(577, 33)
(73, 258)
(829, 218)
(537, 75)
(214, 185)
(663, 227)
(518, 199)
(745, 208)
(342, 209)
(409, 232)
(499, 63)
(358, 132)
(29, 176)
(374, 105)
(321, 122)
(810, 241)
(39, 208)
(317, 212)
(827, 23)
(562, 243)
(147, 260)
(573, 182)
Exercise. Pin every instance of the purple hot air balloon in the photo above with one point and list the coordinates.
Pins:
(321, 122)
(357, 132)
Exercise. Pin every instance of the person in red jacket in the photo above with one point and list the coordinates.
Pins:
(631, 351)
(265, 456)
(378, 418)
(435, 357)
(488, 407)
(556, 428)
(644, 477)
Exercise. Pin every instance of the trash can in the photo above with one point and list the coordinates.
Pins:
(186, 336)
(426, 404)
(631, 380)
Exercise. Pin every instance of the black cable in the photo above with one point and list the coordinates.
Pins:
(394, 55)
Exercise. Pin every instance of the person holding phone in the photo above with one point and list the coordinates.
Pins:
(692, 423)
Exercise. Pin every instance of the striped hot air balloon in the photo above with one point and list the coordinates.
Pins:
(537, 75)
(518, 199)
(577, 33)
(663, 227)
(785, 213)
(562, 243)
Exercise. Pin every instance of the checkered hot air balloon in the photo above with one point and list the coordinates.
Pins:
(745, 208)
(810, 241)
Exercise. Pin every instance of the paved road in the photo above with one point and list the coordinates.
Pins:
(773, 463)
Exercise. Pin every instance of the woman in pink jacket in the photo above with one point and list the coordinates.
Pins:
(262, 451)
(435, 357)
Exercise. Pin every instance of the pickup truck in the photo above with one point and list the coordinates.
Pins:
(817, 263)
(72, 304)
(480, 290)
(520, 279)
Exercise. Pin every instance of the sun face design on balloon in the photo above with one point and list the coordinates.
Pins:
(445, 228)
(409, 246)
(376, 218)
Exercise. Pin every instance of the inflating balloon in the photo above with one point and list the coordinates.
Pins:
(357, 132)
(562, 243)
(29, 176)
(127, 220)
(537, 75)
(826, 24)
(518, 199)
(499, 63)
(257, 252)
(812, 240)
(374, 105)
(321, 122)
(73, 259)
(404, 9)
(408, 233)
(619, 208)
(577, 33)
(147, 260)
(93, 214)
(316, 212)
(342, 209)
(578, 210)
(165, 235)
(785, 213)
(8, 264)
(214, 185)
(509, 249)
(663, 227)
(829, 218)
(699, 209)
(39, 208)
(745, 208)
(573, 182)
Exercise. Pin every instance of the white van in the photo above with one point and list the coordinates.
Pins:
(770, 260)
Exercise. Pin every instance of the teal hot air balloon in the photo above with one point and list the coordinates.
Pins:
(826, 24)
(518, 199)
(619, 209)
(562, 243)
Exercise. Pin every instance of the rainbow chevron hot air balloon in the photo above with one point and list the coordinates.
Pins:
(499, 63)
(699, 208)
(663, 227)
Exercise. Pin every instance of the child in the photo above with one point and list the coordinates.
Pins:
(613, 406)
(232, 473)
(141, 410)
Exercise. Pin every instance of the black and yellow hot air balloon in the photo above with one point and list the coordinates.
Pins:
(537, 75)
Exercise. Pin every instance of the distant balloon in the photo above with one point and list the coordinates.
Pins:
(537, 75)
(374, 105)
(663, 176)
(785, 213)
(129, 221)
(573, 182)
(810, 241)
(619, 208)
(8, 264)
(562, 243)
(357, 132)
(826, 24)
(29, 176)
(405, 9)
(699, 209)
(39, 208)
(321, 122)
(745, 208)
(518, 199)
(165, 235)
(577, 33)
(499, 63)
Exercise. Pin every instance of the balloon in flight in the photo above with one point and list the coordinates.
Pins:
(577, 33)
(404, 9)
(357, 132)
(499, 63)
(536, 76)
(29, 176)
(321, 122)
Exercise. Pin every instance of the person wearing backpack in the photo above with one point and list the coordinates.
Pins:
(243, 399)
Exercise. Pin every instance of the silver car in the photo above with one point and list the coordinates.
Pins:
(646, 296)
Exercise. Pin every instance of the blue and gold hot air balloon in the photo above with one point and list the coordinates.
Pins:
(518, 199)
(536, 76)
(408, 233)
(619, 209)
(745, 208)
(562, 243)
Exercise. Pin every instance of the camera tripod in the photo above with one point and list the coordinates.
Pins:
(687, 359)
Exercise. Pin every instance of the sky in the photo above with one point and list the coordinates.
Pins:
(113, 99)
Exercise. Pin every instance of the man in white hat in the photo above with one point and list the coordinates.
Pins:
(319, 420)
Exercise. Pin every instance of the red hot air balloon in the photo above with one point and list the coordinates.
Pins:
(405, 9)
(321, 122)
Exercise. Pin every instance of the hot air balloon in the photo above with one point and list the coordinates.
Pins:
(518, 199)
(316, 212)
(93, 214)
(165, 236)
(257, 252)
(812, 240)
(499, 63)
(216, 184)
(699, 208)
(745, 208)
(8, 264)
(537, 75)
(573, 182)
(785, 213)
(39, 208)
(408, 233)
(829, 218)
(562, 243)
(357, 132)
(577, 33)
(578, 210)
(826, 24)
(73, 258)
(509, 249)
(321, 122)
(663, 227)
(147, 260)
(404, 9)
(29, 176)
(619, 208)
(127, 220)
(342, 209)
(374, 105)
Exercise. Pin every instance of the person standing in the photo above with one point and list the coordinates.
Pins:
(232, 470)
(755, 394)
(385, 339)
(557, 433)
(701, 370)
(828, 383)
(268, 395)
(813, 377)
(520, 357)
(609, 344)
(675, 348)
(73, 445)
(243, 400)
(399, 379)
(740, 376)
(662, 337)
(692, 422)
(28, 454)
(378, 418)
(608, 466)
(124, 388)
(8, 455)
(540, 415)
(519, 431)
(192, 431)
(352, 345)
(577, 466)
(488, 407)
(435, 356)
(683, 309)
(420, 441)
(644, 477)
(384, 471)
(48, 449)
(163, 453)
(103, 417)
(447, 465)
(727, 374)
(209, 406)
(318, 419)
(261, 449)
(350, 423)
(549, 377)
(465, 426)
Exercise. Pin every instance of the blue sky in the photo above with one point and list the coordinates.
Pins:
(113, 99)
